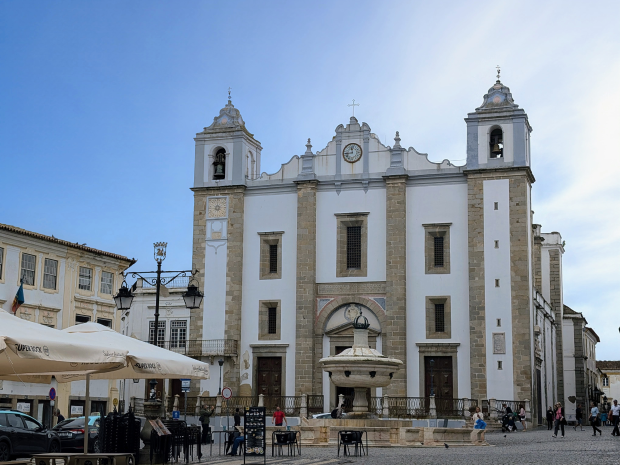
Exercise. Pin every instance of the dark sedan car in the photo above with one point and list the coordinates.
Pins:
(22, 435)
(71, 433)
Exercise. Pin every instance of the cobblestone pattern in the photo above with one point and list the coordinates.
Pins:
(531, 447)
(394, 344)
(556, 304)
(305, 295)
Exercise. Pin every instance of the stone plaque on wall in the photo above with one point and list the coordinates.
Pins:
(499, 343)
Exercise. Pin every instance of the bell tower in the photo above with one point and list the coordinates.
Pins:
(498, 132)
(227, 154)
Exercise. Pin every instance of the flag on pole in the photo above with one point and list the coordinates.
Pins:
(19, 297)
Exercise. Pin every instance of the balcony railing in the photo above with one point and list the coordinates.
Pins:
(201, 348)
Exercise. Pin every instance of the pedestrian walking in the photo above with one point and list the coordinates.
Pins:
(594, 419)
(615, 418)
(237, 418)
(549, 418)
(579, 418)
(478, 418)
(522, 417)
(559, 419)
(58, 415)
(279, 417)
(205, 419)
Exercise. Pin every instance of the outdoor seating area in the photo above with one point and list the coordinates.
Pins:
(352, 439)
(291, 440)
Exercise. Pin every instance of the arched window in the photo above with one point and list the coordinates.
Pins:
(496, 143)
(219, 164)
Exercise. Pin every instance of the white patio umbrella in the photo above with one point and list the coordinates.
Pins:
(33, 352)
(144, 361)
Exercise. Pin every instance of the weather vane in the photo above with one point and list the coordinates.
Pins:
(229, 89)
(498, 71)
(353, 105)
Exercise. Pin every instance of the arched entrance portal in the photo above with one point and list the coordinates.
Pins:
(338, 336)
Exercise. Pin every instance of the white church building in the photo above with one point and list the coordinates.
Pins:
(444, 261)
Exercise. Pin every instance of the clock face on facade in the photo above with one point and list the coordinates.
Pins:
(352, 153)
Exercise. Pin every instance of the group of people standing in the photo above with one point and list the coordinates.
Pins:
(556, 417)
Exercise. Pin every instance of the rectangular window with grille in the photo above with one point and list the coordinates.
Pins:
(50, 273)
(1, 261)
(273, 258)
(354, 247)
(28, 267)
(178, 333)
(105, 322)
(161, 333)
(86, 278)
(272, 324)
(79, 319)
(107, 281)
(438, 247)
(440, 320)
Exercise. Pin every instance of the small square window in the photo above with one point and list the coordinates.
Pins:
(50, 272)
(497, 283)
(105, 322)
(272, 324)
(495, 205)
(497, 244)
(28, 267)
(499, 322)
(79, 319)
(86, 278)
(499, 365)
(107, 281)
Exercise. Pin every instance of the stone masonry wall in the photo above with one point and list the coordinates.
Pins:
(305, 295)
(395, 342)
(555, 286)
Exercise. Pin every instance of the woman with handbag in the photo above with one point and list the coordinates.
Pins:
(559, 419)
(594, 419)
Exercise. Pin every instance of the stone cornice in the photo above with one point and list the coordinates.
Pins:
(501, 173)
(219, 190)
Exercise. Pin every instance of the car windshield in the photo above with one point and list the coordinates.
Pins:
(72, 423)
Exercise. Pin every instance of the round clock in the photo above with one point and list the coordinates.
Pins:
(352, 153)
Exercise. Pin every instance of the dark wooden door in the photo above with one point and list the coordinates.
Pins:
(440, 377)
(269, 376)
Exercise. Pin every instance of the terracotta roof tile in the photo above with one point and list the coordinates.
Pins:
(608, 364)
(74, 245)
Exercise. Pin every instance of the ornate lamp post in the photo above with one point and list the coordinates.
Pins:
(221, 364)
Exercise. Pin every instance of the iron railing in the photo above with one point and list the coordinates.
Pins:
(315, 404)
(179, 281)
(200, 348)
(409, 407)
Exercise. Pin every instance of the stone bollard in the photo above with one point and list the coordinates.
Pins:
(492, 409)
(386, 406)
(466, 407)
(432, 411)
(303, 411)
(218, 405)
(261, 400)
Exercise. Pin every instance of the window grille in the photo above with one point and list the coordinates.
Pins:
(28, 266)
(79, 319)
(161, 333)
(273, 258)
(438, 251)
(1, 260)
(86, 278)
(605, 381)
(50, 273)
(178, 333)
(272, 327)
(107, 281)
(105, 322)
(440, 322)
(354, 247)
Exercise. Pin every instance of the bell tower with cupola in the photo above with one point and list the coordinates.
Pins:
(227, 154)
(498, 132)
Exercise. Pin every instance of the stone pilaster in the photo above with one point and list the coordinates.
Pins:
(555, 286)
(477, 323)
(395, 342)
(198, 259)
(521, 283)
(581, 381)
(305, 295)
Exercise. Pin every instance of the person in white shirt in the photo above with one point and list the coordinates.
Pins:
(615, 418)
(478, 418)
(594, 419)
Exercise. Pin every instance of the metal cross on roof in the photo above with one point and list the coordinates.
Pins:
(229, 89)
(353, 105)
(498, 71)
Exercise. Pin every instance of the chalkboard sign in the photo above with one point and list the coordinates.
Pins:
(254, 429)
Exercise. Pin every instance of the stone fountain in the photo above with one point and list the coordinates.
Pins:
(360, 367)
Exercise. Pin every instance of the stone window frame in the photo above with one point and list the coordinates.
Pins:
(267, 239)
(430, 317)
(430, 232)
(263, 320)
(343, 220)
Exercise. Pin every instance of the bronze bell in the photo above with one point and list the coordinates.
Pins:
(219, 169)
(496, 149)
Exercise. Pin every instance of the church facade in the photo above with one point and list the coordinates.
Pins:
(445, 261)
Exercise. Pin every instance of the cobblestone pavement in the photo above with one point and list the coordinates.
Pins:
(529, 447)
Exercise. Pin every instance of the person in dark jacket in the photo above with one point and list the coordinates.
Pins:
(237, 418)
(549, 419)
(559, 419)
(205, 419)
(579, 418)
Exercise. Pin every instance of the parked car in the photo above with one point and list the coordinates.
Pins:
(22, 435)
(71, 433)
(323, 416)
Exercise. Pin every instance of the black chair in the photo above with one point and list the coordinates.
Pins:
(285, 438)
(229, 439)
(352, 438)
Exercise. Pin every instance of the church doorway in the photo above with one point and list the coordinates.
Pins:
(269, 380)
(439, 378)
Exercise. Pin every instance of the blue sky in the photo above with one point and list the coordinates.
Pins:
(101, 100)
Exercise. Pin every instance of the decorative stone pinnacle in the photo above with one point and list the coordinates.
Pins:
(308, 148)
(397, 140)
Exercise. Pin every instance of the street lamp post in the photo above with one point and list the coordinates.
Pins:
(221, 364)
(193, 297)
